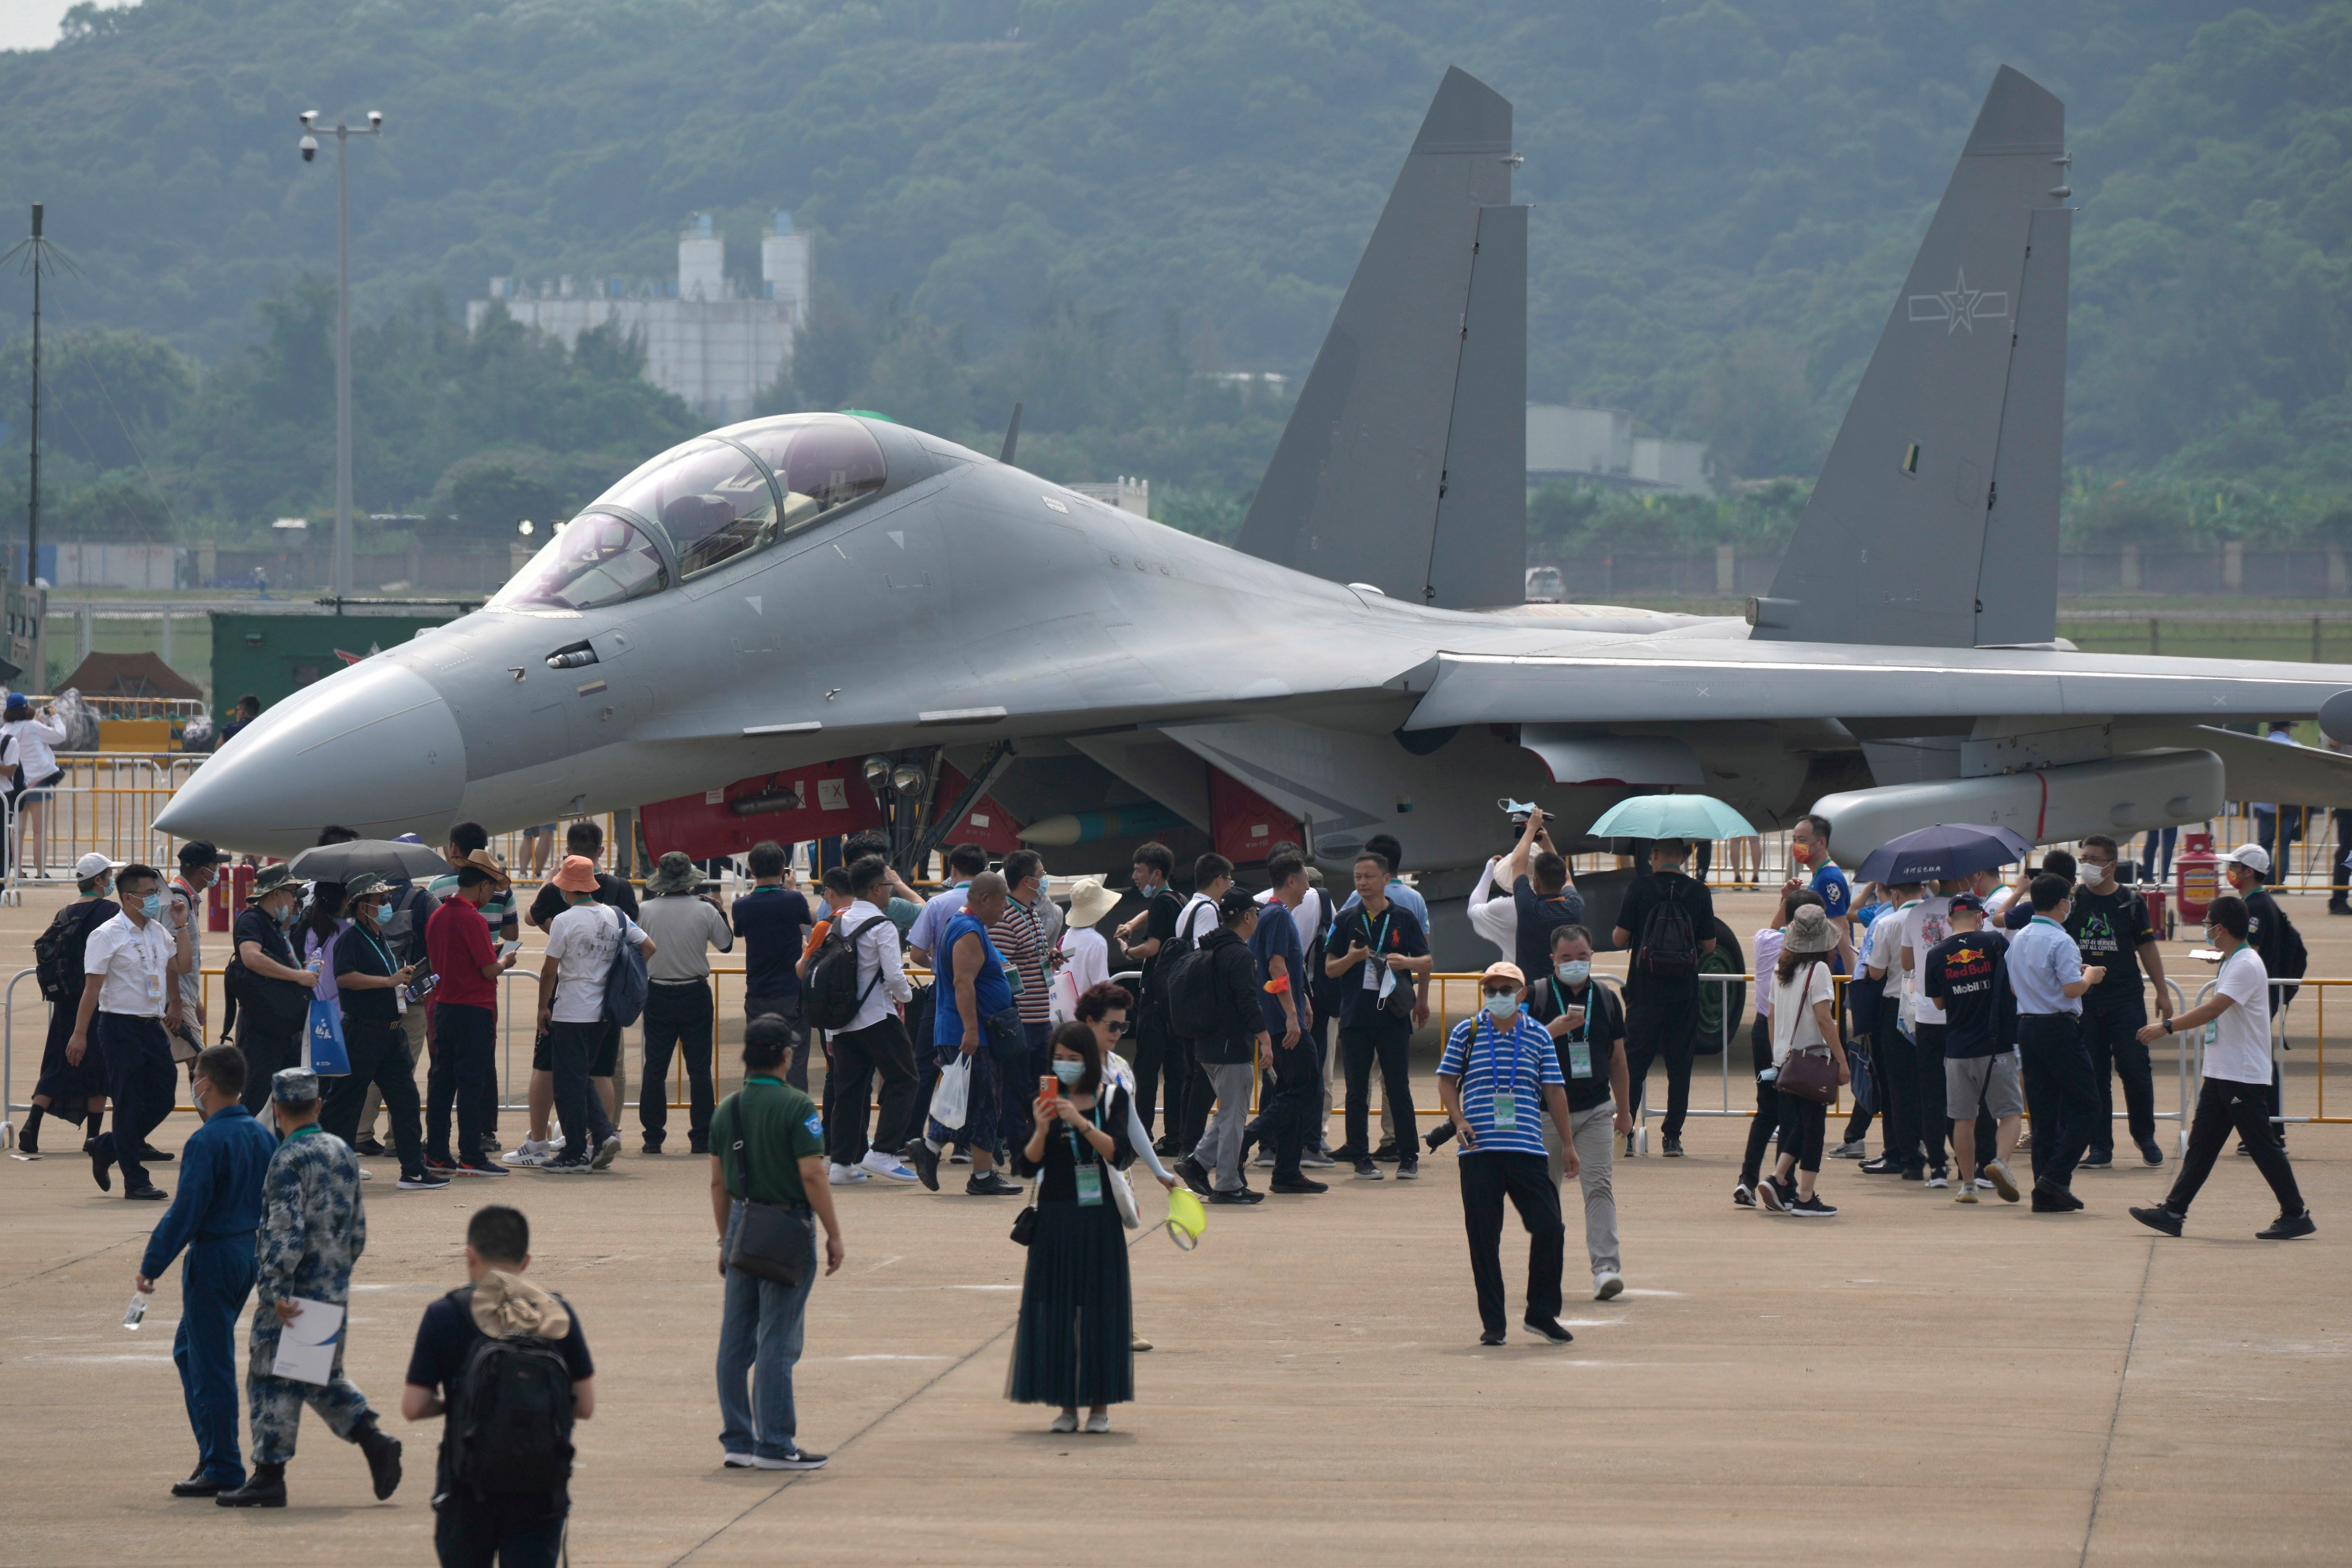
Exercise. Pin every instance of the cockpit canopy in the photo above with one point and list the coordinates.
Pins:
(695, 507)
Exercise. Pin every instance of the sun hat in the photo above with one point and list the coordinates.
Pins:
(676, 873)
(362, 885)
(483, 860)
(1809, 932)
(576, 875)
(268, 879)
(1090, 901)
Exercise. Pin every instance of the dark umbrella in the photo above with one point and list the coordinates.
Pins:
(384, 856)
(1946, 850)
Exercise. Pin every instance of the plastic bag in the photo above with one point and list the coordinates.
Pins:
(951, 1100)
(81, 722)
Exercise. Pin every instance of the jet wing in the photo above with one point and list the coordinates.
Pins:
(1664, 681)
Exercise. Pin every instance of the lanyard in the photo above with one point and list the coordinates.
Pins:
(1494, 1038)
(381, 951)
(1078, 1157)
(1583, 1031)
(302, 1131)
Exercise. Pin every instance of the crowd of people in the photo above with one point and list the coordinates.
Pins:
(1952, 1009)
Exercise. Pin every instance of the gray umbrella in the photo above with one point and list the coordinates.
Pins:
(384, 856)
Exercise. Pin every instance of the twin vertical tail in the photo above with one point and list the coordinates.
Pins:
(1935, 522)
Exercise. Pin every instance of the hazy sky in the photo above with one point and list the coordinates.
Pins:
(33, 24)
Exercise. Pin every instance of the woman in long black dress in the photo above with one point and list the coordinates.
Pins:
(1075, 1343)
(73, 1091)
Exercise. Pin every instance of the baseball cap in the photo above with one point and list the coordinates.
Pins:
(1968, 901)
(199, 852)
(2252, 856)
(91, 864)
(1505, 970)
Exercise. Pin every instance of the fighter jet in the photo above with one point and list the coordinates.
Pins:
(796, 624)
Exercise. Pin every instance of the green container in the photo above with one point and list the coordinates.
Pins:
(273, 657)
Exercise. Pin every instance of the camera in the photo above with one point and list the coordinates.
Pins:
(309, 145)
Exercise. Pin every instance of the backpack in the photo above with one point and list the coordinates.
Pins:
(57, 952)
(625, 982)
(1669, 941)
(510, 1415)
(1188, 977)
(831, 995)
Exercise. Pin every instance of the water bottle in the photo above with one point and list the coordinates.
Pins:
(136, 1313)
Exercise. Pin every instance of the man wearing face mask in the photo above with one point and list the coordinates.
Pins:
(1586, 1025)
(2110, 924)
(130, 964)
(372, 988)
(270, 1043)
(1498, 1069)
(184, 911)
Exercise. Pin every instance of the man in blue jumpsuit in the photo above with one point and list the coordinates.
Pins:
(312, 1233)
(213, 1215)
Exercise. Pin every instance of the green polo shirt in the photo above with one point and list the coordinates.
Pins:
(779, 1127)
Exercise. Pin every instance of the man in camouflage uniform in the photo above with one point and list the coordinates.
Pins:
(313, 1231)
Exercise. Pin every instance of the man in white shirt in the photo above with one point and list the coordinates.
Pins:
(131, 966)
(1924, 924)
(875, 1040)
(2237, 1088)
(581, 945)
(1892, 1048)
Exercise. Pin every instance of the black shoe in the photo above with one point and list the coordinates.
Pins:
(199, 1485)
(1673, 1148)
(1193, 1174)
(1408, 1170)
(98, 1165)
(2339, 908)
(151, 1155)
(383, 1451)
(697, 1146)
(1491, 1337)
(926, 1163)
(1238, 1195)
(1367, 1172)
(2162, 1219)
(266, 1487)
(989, 1185)
(2050, 1199)
(650, 1146)
(2287, 1227)
(369, 1147)
(2152, 1152)
(1299, 1185)
(150, 1194)
(1548, 1329)
(1165, 1146)
(1885, 1165)
(421, 1181)
(2096, 1160)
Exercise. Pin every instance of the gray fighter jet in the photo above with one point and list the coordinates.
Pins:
(838, 597)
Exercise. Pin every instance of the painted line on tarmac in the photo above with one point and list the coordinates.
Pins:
(2122, 1378)
(70, 1262)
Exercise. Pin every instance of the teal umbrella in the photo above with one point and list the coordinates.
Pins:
(1672, 817)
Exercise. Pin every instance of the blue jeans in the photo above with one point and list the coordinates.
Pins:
(213, 1283)
(759, 1336)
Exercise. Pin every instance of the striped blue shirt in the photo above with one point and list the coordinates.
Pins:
(1521, 1059)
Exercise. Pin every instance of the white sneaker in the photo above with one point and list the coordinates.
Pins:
(847, 1176)
(1067, 1421)
(884, 1166)
(1607, 1285)
(1099, 1422)
(533, 1152)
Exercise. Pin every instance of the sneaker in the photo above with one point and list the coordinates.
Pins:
(2050, 1199)
(1548, 1328)
(2003, 1181)
(1744, 1196)
(1984, 1183)
(2158, 1219)
(1137, 1343)
(742, 1462)
(369, 1147)
(422, 1181)
(2286, 1227)
(1367, 1172)
(798, 1460)
(440, 1164)
(1238, 1195)
(1317, 1159)
(482, 1168)
(1854, 1150)
(1408, 1170)
(1387, 1153)
(561, 1167)
(1673, 1149)
(1915, 1173)
(2152, 1152)
(1193, 1174)
(1967, 1194)
(1771, 1198)
(1812, 1208)
(926, 1163)
(884, 1166)
(606, 1152)
(1264, 1157)
(1607, 1285)
(840, 1175)
(960, 1157)
(533, 1152)
(1936, 1178)
(1099, 1422)
(989, 1185)
(1067, 1421)
(1491, 1337)
(1885, 1165)
(2097, 1159)
(1299, 1184)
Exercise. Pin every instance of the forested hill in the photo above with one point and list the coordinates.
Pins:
(1083, 202)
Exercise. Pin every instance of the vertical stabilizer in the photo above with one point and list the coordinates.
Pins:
(1386, 473)
(1934, 521)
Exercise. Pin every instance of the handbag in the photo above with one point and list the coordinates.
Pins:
(325, 1053)
(1809, 1074)
(771, 1242)
(1025, 1224)
(951, 1100)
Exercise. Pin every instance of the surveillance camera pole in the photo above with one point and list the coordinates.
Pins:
(341, 571)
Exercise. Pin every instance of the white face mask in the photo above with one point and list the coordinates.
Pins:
(1503, 1009)
(1574, 972)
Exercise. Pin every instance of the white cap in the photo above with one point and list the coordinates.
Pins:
(2252, 856)
(91, 864)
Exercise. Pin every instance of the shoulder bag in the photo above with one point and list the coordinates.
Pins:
(1808, 1073)
(772, 1242)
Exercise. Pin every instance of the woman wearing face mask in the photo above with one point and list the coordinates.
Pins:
(1802, 1020)
(270, 1032)
(1766, 951)
(371, 986)
(1103, 1008)
(1072, 1344)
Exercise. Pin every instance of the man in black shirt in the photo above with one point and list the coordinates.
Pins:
(260, 944)
(2110, 925)
(1586, 1025)
(370, 985)
(470, 1528)
(1376, 948)
(1967, 974)
(1661, 988)
(1141, 937)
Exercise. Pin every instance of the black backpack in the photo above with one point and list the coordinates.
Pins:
(1188, 977)
(831, 995)
(57, 950)
(1669, 941)
(510, 1415)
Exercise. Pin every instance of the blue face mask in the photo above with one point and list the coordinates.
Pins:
(1503, 1009)
(1575, 972)
(1069, 1072)
(151, 906)
(383, 914)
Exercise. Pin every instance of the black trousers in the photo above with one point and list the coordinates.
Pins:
(1387, 1039)
(1290, 1105)
(509, 1532)
(1160, 1054)
(788, 1008)
(1664, 1026)
(1802, 1123)
(1928, 1094)
(1857, 1126)
(380, 1056)
(266, 1056)
(570, 1052)
(2110, 1037)
(2221, 1106)
(140, 1081)
(464, 1075)
(858, 1056)
(1767, 1120)
(2060, 1093)
(1488, 1177)
(678, 1017)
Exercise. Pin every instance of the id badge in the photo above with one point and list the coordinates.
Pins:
(1013, 978)
(1506, 1112)
(1580, 1058)
(1089, 1180)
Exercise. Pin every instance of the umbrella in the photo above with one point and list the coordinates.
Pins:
(384, 856)
(1672, 817)
(1948, 849)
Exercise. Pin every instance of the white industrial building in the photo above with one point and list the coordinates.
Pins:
(707, 339)
(1597, 444)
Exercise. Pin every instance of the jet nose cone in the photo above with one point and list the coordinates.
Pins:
(374, 748)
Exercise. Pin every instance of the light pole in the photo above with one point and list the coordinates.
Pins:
(341, 571)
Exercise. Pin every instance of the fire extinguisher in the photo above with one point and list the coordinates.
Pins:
(2196, 877)
(216, 906)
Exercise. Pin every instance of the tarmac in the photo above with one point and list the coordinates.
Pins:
(1912, 1376)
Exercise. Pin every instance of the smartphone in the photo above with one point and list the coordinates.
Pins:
(1048, 1086)
(507, 947)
